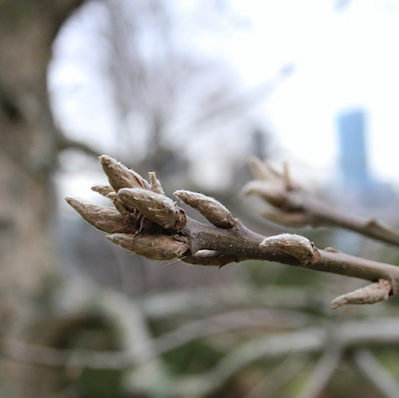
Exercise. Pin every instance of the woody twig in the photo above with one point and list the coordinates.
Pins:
(148, 223)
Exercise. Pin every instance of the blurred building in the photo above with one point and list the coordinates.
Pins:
(358, 183)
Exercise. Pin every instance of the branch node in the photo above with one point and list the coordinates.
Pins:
(378, 226)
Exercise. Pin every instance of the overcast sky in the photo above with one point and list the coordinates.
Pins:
(342, 58)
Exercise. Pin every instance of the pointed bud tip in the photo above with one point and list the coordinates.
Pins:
(114, 238)
(72, 201)
(105, 158)
(371, 294)
(155, 184)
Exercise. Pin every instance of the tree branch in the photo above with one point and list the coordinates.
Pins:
(375, 372)
(323, 372)
(293, 206)
(351, 334)
(151, 225)
(278, 377)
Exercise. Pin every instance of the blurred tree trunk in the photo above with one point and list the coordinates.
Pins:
(28, 150)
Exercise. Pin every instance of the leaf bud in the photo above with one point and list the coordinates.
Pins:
(154, 247)
(106, 219)
(296, 246)
(119, 176)
(209, 207)
(157, 208)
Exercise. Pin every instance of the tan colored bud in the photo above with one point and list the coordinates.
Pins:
(155, 183)
(209, 207)
(271, 192)
(103, 190)
(154, 247)
(118, 203)
(296, 246)
(371, 294)
(263, 171)
(120, 176)
(292, 219)
(157, 208)
(106, 219)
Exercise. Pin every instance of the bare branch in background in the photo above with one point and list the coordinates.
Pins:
(323, 372)
(303, 341)
(155, 227)
(293, 206)
(280, 375)
(63, 143)
(308, 340)
(375, 372)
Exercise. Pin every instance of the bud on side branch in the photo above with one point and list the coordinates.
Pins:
(371, 294)
(209, 207)
(295, 245)
(263, 171)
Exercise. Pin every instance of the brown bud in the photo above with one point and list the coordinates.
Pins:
(209, 207)
(106, 219)
(120, 176)
(371, 294)
(271, 192)
(155, 183)
(263, 171)
(293, 219)
(157, 208)
(118, 203)
(154, 247)
(103, 190)
(295, 245)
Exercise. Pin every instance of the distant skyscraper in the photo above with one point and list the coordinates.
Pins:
(358, 182)
(352, 144)
(258, 138)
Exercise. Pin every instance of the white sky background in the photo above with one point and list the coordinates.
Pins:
(342, 59)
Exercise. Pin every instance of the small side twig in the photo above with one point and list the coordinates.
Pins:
(291, 205)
